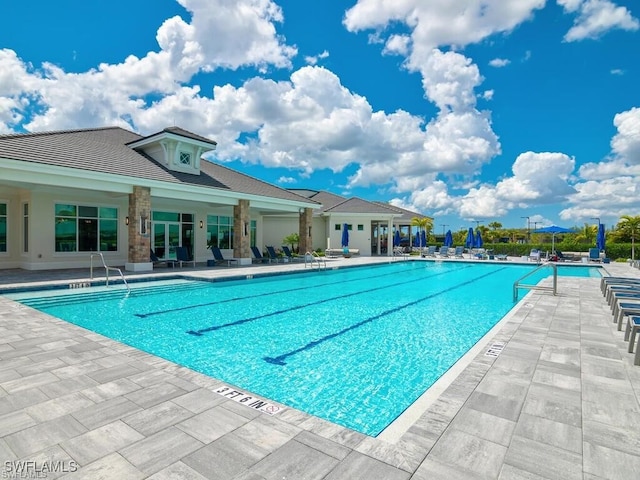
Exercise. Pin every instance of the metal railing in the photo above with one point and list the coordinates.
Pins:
(107, 268)
(312, 258)
(554, 289)
(400, 252)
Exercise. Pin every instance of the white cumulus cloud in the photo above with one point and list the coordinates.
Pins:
(596, 17)
(499, 62)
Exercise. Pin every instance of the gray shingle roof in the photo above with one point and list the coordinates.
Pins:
(184, 133)
(327, 199)
(406, 214)
(358, 205)
(105, 150)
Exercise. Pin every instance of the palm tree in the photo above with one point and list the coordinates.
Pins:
(495, 226)
(423, 223)
(630, 226)
(588, 233)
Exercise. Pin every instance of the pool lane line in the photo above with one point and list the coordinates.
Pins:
(280, 359)
(202, 331)
(253, 296)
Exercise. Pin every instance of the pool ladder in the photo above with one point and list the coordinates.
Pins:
(107, 268)
(553, 289)
(312, 258)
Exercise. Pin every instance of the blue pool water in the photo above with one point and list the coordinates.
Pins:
(355, 346)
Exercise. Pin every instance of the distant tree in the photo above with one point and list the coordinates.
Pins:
(630, 226)
(587, 234)
(423, 223)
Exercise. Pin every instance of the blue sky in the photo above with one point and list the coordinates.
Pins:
(467, 111)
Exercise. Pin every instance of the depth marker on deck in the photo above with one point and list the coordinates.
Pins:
(495, 349)
(248, 400)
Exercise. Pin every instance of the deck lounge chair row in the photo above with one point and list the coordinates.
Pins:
(272, 255)
(341, 252)
(623, 296)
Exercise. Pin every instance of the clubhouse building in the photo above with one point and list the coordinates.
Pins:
(68, 195)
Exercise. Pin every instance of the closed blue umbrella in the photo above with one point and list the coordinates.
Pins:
(600, 239)
(448, 239)
(345, 235)
(470, 241)
(478, 241)
(416, 239)
(423, 238)
(396, 239)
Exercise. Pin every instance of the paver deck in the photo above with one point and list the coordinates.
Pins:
(560, 401)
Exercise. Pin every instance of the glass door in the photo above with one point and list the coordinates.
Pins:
(166, 237)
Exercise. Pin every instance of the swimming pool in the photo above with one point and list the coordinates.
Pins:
(354, 346)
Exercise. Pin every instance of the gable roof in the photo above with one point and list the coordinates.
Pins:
(107, 150)
(181, 132)
(358, 205)
(407, 215)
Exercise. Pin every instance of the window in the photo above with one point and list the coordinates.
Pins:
(185, 158)
(81, 228)
(360, 227)
(254, 231)
(219, 231)
(337, 227)
(3, 227)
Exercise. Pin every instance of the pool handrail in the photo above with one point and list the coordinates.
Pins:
(553, 289)
(107, 268)
(313, 257)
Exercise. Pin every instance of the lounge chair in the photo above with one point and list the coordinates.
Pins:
(288, 254)
(624, 309)
(271, 252)
(332, 252)
(444, 252)
(480, 254)
(182, 256)
(501, 256)
(633, 327)
(594, 255)
(534, 255)
(459, 252)
(258, 257)
(400, 252)
(157, 261)
(429, 251)
(219, 258)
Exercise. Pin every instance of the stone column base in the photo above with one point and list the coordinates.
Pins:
(139, 267)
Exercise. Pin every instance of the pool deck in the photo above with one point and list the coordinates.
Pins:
(561, 400)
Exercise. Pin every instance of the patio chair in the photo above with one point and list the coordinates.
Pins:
(459, 252)
(288, 254)
(158, 261)
(480, 254)
(219, 258)
(429, 251)
(258, 257)
(400, 252)
(271, 252)
(182, 256)
(633, 327)
(594, 255)
(534, 255)
(444, 252)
